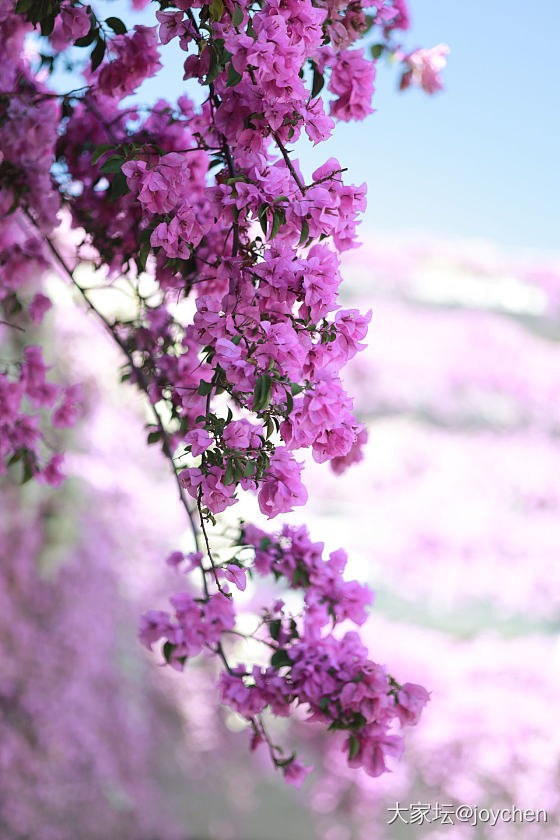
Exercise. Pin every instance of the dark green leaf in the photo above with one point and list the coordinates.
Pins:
(98, 54)
(47, 25)
(274, 628)
(354, 748)
(269, 426)
(263, 217)
(237, 17)
(204, 388)
(263, 388)
(87, 39)
(376, 50)
(215, 67)
(278, 219)
(28, 463)
(23, 6)
(249, 470)
(304, 232)
(229, 475)
(119, 186)
(142, 257)
(299, 577)
(216, 9)
(289, 403)
(318, 82)
(100, 150)
(154, 437)
(233, 77)
(283, 762)
(17, 456)
(112, 164)
(67, 108)
(116, 25)
(167, 650)
(279, 659)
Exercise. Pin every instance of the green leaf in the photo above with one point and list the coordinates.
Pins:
(23, 6)
(215, 68)
(67, 108)
(236, 179)
(263, 389)
(354, 747)
(98, 54)
(269, 426)
(376, 50)
(295, 388)
(274, 628)
(229, 475)
(87, 39)
(116, 25)
(142, 257)
(47, 25)
(278, 219)
(257, 396)
(299, 577)
(112, 164)
(167, 650)
(204, 388)
(250, 469)
(289, 403)
(28, 464)
(154, 437)
(283, 762)
(237, 17)
(318, 82)
(119, 186)
(324, 703)
(279, 659)
(216, 10)
(304, 232)
(263, 217)
(17, 456)
(233, 77)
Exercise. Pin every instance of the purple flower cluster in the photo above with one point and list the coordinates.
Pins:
(238, 340)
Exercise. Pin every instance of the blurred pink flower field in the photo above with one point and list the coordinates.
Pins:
(452, 518)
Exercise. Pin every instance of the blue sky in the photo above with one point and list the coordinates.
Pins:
(481, 158)
(478, 160)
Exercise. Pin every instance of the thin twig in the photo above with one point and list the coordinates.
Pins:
(139, 378)
(13, 326)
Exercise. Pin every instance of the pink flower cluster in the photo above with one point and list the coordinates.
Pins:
(425, 67)
(208, 200)
(292, 555)
(340, 686)
(198, 624)
(311, 665)
(21, 439)
(137, 58)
